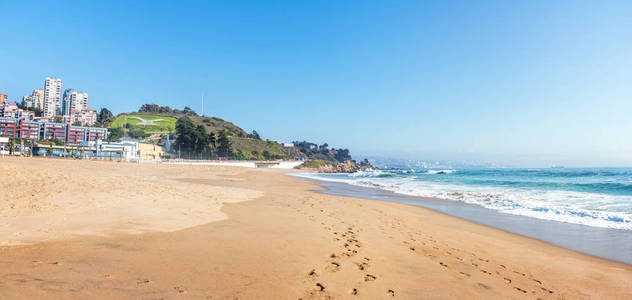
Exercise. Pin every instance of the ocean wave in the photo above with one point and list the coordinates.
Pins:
(591, 209)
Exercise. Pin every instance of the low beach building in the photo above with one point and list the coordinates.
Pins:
(129, 148)
(28, 130)
(54, 131)
(86, 150)
(8, 126)
(150, 151)
(4, 145)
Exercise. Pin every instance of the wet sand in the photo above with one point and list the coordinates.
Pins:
(608, 243)
(280, 240)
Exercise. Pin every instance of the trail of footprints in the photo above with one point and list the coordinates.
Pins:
(346, 256)
(465, 265)
(348, 251)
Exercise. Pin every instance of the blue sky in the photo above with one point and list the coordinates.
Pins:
(529, 83)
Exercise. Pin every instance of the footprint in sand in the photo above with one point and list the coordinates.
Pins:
(361, 266)
(390, 293)
(487, 287)
(465, 274)
(333, 267)
(520, 290)
(369, 277)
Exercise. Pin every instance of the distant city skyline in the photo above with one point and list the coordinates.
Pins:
(528, 84)
(48, 105)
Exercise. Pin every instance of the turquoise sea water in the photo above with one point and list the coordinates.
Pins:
(600, 197)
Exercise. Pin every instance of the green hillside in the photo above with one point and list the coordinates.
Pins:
(220, 138)
(211, 124)
(147, 123)
(258, 149)
(153, 126)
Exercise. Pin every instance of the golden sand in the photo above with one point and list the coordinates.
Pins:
(105, 230)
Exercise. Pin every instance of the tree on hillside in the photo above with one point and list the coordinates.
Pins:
(254, 135)
(115, 134)
(188, 111)
(76, 123)
(342, 155)
(306, 147)
(212, 139)
(134, 132)
(155, 108)
(57, 119)
(104, 116)
(267, 155)
(224, 146)
(186, 132)
(201, 139)
(149, 108)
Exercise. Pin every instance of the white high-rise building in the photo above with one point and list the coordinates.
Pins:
(52, 97)
(39, 93)
(74, 100)
(35, 100)
(30, 102)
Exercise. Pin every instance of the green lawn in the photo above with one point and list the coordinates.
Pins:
(160, 124)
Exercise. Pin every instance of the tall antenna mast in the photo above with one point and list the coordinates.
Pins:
(202, 104)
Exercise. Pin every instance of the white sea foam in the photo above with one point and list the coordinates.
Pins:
(592, 209)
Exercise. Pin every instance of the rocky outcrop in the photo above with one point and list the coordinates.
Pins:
(344, 167)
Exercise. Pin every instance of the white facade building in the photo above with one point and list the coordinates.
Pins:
(52, 97)
(74, 100)
(129, 148)
(39, 93)
(35, 100)
(87, 117)
(31, 102)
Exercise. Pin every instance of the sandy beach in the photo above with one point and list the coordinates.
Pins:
(106, 230)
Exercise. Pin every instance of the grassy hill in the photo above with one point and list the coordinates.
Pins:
(258, 149)
(148, 123)
(212, 124)
(162, 123)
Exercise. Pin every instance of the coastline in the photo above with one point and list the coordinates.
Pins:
(288, 243)
(607, 243)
